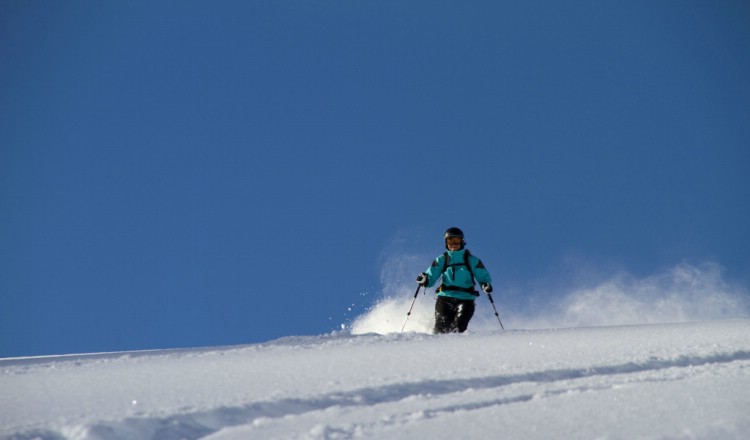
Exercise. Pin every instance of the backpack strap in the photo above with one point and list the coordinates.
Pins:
(468, 266)
(466, 263)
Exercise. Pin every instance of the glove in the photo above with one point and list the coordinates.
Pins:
(422, 279)
(487, 288)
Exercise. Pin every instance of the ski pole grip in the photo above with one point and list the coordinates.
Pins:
(416, 293)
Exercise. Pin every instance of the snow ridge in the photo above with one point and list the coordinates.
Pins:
(680, 380)
(198, 425)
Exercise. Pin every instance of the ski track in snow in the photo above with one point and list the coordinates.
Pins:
(645, 360)
(198, 425)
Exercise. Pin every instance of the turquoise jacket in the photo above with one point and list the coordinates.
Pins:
(457, 274)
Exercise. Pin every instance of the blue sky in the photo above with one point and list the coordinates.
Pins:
(178, 174)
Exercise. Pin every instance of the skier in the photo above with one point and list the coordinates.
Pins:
(456, 295)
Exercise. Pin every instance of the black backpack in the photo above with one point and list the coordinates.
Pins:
(466, 263)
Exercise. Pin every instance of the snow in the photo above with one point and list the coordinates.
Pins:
(616, 357)
(653, 381)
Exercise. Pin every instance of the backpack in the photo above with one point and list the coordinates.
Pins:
(466, 263)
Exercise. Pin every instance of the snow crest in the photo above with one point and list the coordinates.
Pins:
(657, 381)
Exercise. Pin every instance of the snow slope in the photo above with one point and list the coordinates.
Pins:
(688, 380)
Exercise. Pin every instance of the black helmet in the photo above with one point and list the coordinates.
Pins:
(453, 232)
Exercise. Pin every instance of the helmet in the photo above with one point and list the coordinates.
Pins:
(453, 232)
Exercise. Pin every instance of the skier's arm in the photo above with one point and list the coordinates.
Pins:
(480, 272)
(435, 270)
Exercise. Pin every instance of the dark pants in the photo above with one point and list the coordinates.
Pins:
(452, 315)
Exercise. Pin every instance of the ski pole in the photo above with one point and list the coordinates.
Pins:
(412, 306)
(493, 306)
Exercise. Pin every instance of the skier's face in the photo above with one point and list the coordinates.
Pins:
(453, 243)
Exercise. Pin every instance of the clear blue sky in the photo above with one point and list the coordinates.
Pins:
(186, 173)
